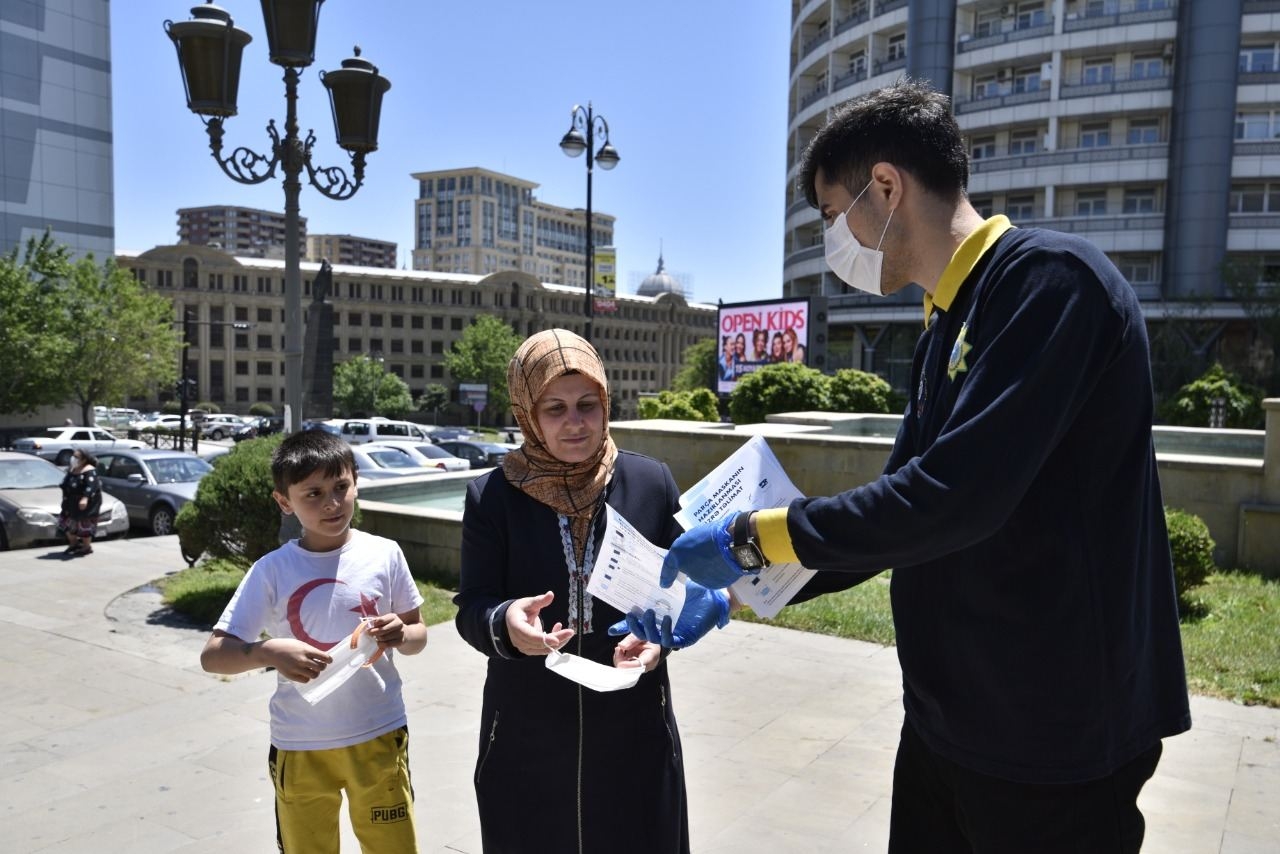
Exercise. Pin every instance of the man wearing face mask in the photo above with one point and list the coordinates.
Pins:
(1033, 593)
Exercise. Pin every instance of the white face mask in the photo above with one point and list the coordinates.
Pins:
(855, 264)
(591, 674)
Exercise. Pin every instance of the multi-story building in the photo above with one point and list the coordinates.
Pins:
(351, 251)
(55, 125)
(1147, 126)
(407, 318)
(241, 231)
(477, 221)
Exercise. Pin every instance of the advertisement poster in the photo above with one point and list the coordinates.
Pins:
(755, 334)
(606, 279)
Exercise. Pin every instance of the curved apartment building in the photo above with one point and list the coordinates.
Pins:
(1151, 127)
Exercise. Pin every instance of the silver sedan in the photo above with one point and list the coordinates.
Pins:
(152, 484)
(31, 499)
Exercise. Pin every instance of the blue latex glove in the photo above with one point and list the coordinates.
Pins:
(702, 554)
(703, 610)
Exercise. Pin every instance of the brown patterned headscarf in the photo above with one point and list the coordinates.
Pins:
(571, 489)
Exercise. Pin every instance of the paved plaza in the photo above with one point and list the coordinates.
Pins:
(113, 739)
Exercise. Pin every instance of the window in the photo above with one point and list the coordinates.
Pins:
(264, 342)
(1253, 125)
(353, 345)
(1027, 80)
(1140, 200)
(437, 348)
(988, 23)
(415, 346)
(1020, 208)
(1091, 203)
(858, 63)
(397, 321)
(1147, 68)
(1138, 269)
(355, 318)
(1247, 198)
(455, 324)
(264, 315)
(897, 48)
(242, 341)
(986, 87)
(982, 147)
(1143, 131)
(982, 204)
(437, 372)
(397, 345)
(242, 368)
(437, 322)
(375, 320)
(416, 372)
(1024, 142)
(1030, 15)
(1257, 58)
(263, 369)
(1098, 71)
(1095, 135)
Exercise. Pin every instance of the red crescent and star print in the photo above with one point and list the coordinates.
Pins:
(368, 607)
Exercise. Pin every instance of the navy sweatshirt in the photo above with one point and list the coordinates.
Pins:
(1020, 509)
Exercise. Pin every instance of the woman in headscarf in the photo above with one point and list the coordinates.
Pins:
(562, 767)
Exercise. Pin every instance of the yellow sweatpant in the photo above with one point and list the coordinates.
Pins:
(374, 774)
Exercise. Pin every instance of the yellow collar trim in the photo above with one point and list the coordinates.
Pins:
(966, 257)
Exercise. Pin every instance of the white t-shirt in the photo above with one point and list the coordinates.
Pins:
(319, 598)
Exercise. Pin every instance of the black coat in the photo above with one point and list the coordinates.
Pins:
(82, 485)
(562, 768)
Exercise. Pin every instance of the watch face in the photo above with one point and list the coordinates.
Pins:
(747, 556)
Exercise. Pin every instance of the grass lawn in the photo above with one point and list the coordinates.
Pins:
(1230, 637)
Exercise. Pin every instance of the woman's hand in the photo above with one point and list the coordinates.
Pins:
(525, 626)
(84, 502)
(632, 651)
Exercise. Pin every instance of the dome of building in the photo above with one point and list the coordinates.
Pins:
(659, 282)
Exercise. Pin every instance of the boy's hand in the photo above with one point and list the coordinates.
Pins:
(387, 630)
(293, 659)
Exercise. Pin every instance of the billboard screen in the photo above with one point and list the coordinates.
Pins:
(754, 334)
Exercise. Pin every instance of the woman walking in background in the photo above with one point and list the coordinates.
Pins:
(81, 503)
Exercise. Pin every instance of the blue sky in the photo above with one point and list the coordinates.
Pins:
(694, 92)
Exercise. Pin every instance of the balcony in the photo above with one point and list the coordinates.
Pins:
(813, 95)
(809, 253)
(1039, 159)
(855, 19)
(1079, 89)
(849, 78)
(885, 6)
(1112, 223)
(995, 102)
(810, 44)
(1258, 78)
(1131, 12)
(884, 66)
(967, 42)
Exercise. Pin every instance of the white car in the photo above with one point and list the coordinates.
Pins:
(426, 454)
(360, 430)
(58, 443)
(381, 463)
(160, 422)
(220, 425)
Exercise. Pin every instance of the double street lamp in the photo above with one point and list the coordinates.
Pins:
(584, 127)
(209, 51)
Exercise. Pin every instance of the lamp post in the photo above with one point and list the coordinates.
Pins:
(185, 382)
(209, 51)
(584, 127)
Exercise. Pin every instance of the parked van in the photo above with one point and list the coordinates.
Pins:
(357, 431)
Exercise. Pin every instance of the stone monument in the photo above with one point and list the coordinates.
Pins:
(317, 349)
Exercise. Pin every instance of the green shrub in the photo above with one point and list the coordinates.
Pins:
(1192, 406)
(233, 514)
(784, 387)
(696, 405)
(203, 593)
(262, 409)
(859, 391)
(1192, 549)
(208, 406)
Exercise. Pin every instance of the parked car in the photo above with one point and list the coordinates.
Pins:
(381, 463)
(31, 499)
(115, 417)
(479, 454)
(425, 454)
(57, 443)
(269, 424)
(160, 421)
(221, 425)
(153, 485)
(359, 430)
(441, 433)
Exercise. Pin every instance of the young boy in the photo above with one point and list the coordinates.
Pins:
(308, 596)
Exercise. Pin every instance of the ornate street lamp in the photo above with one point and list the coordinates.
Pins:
(574, 143)
(209, 51)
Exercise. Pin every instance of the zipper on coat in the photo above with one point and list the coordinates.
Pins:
(493, 736)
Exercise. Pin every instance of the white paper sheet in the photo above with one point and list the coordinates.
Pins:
(627, 570)
(750, 479)
(347, 660)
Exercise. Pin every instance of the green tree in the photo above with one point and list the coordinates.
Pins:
(433, 398)
(34, 347)
(481, 355)
(233, 514)
(784, 387)
(363, 386)
(79, 330)
(698, 369)
(697, 405)
(858, 391)
(1194, 403)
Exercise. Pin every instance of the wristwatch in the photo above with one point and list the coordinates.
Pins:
(745, 550)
